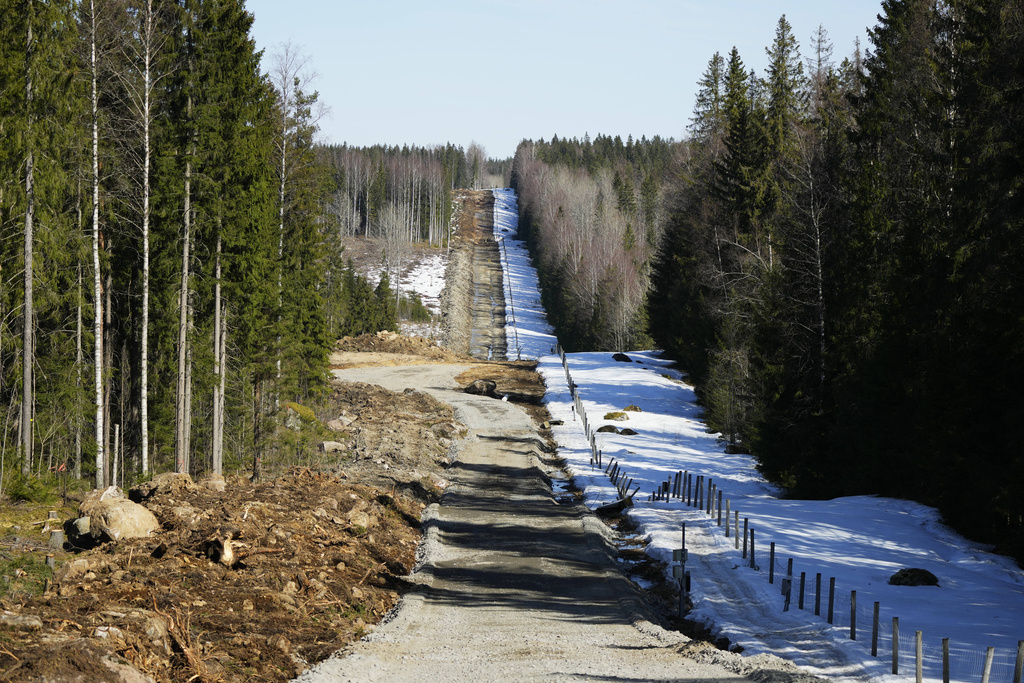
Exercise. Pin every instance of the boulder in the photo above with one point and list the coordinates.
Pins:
(113, 517)
(340, 423)
(214, 482)
(621, 358)
(483, 387)
(331, 446)
(608, 429)
(913, 576)
(171, 483)
(628, 432)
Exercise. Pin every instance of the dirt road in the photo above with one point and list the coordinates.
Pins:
(512, 585)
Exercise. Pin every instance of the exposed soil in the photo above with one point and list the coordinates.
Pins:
(316, 560)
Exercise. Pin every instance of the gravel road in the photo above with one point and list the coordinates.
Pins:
(511, 584)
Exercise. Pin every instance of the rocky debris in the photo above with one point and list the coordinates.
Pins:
(256, 582)
(108, 515)
(483, 387)
(912, 576)
(214, 482)
(21, 622)
(340, 423)
(389, 342)
(169, 483)
(396, 441)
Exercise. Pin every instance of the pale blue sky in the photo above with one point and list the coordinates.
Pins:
(497, 71)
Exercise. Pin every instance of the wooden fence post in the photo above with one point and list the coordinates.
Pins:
(875, 624)
(945, 660)
(753, 564)
(771, 564)
(803, 579)
(817, 595)
(918, 657)
(728, 513)
(990, 653)
(737, 529)
(746, 536)
(895, 646)
(853, 615)
(831, 597)
(720, 509)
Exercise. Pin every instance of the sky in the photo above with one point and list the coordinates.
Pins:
(497, 71)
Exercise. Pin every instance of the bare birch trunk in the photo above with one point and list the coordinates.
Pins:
(97, 278)
(27, 397)
(147, 151)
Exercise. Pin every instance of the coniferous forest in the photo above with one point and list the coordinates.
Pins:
(170, 244)
(839, 261)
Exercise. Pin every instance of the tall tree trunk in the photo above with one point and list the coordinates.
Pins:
(28, 360)
(218, 369)
(79, 360)
(180, 417)
(108, 365)
(96, 275)
(147, 151)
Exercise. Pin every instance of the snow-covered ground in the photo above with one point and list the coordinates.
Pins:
(425, 277)
(858, 541)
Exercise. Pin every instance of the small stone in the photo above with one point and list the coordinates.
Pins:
(247, 605)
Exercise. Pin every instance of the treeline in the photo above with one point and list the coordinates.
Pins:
(172, 275)
(401, 196)
(590, 211)
(406, 190)
(841, 268)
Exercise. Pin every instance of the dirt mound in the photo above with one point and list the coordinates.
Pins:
(405, 350)
(396, 441)
(311, 560)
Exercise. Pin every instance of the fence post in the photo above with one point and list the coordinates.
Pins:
(895, 646)
(918, 657)
(746, 536)
(1018, 670)
(853, 615)
(989, 654)
(737, 529)
(831, 597)
(728, 514)
(875, 624)
(817, 595)
(720, 510)
(753, 564)
(771, 564)
(945, 660)
(803, 579)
